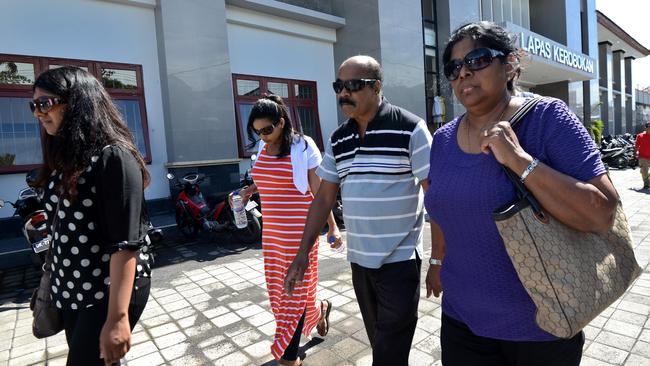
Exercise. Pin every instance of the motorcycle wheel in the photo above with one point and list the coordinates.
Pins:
(186, 224)
(252, 233)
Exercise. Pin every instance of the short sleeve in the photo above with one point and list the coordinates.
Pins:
(420, 151)
(120, 195)
(568, 146)
(327, 169)
(313, 154)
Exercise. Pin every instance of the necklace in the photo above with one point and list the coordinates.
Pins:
(467, 123)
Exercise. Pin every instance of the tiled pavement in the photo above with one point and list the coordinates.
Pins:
(208, 306)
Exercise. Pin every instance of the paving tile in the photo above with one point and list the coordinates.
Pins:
(628, 317)
(259, 349)
(636, 360)
(627, 329)
(615, 340)
(234, 359)
(169, 339)
(188, 360)
(225, 320)
(349, 347)
(163, 329)
(606, 353)
(152, 359)
(140, 350)
(219, 350)
(28, 359)
(642, 349)
(175, 351)
(634, 307)
(588, 361)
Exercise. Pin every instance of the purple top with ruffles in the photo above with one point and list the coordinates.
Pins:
(480, 285)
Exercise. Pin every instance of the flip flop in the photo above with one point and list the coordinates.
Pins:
(323, 332)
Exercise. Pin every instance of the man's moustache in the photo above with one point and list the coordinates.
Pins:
(346, 101)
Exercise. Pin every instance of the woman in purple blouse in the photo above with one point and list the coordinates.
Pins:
(487, 316)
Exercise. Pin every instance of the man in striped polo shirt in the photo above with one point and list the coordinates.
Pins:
(380, 159)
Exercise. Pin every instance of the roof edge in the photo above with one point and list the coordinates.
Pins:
(622, 34)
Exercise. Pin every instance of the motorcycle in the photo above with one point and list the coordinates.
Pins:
(194, 213)
(29, 207)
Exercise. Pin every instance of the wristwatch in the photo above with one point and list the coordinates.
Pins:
(435, 262)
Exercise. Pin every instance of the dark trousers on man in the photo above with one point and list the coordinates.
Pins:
(388, 297)
(461, 347)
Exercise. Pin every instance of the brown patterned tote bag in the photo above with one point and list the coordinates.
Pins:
(571, 276)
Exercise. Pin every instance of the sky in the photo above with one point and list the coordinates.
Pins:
(632, 17)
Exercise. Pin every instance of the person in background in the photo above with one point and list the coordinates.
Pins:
(285, 177)
(642, 147)
(488, 317)
(93, 178)
(379, 158)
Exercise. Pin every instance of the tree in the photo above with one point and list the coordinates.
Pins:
(10, 74)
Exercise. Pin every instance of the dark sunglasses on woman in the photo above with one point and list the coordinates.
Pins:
(475, 60)
(351, 85)
(266, 130)
(44, 104)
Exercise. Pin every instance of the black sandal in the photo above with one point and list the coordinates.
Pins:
(323, 332)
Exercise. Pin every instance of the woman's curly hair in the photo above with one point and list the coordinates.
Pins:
(91, 121)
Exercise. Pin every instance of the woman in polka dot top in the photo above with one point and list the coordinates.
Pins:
(94, 178)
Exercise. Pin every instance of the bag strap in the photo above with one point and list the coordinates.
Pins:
(47, 265)
(522, 191)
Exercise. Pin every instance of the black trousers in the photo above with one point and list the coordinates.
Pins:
(461, 347)
(388, 297)
(291, 353)
(83, 327)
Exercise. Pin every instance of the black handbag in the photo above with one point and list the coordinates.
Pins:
(47, 318)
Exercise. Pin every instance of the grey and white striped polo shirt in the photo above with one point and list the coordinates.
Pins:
(379, 177)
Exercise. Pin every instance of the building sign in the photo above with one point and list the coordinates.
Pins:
(543, 48)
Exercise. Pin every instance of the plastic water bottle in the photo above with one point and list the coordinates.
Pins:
(332, 240)
(239, 211)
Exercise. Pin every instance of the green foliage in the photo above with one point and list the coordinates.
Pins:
(595, 130)
(7, 160)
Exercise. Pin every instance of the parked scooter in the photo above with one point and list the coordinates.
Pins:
(29, 207)
(194, 213)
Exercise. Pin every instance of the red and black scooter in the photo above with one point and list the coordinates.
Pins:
(194, 213)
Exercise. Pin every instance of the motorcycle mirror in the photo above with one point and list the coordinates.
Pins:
(2, 203)
(253, 157)
(170, 176)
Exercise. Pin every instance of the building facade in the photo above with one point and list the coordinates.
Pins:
(617, 51)
(186, 73)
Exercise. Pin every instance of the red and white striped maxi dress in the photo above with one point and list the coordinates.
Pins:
(284, 211)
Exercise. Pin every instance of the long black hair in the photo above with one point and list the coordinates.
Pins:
(272, 106)
(90, 121)
(490, 35)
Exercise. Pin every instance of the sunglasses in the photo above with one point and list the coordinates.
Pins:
(45, 104)
(267, 130)
(351, 85)
(475, 60)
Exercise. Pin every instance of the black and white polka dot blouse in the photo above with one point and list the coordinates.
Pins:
(106, 216)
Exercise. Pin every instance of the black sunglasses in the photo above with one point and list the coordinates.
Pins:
(45, 104)
(475, 60)
(266, 130)
(351, 85)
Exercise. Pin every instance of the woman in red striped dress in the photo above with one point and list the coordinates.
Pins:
(285, 177)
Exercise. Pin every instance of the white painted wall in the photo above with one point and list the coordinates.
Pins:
(90, 30)
(266, 45)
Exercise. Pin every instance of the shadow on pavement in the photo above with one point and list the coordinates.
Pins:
(175, 248)
(302, 351)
